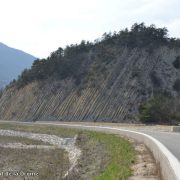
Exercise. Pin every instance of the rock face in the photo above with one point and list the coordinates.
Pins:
(134, 75)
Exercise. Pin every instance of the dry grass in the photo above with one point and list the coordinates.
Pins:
(23, 140)
(49, 164)
(44, 129)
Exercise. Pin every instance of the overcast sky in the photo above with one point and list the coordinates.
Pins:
(41, 26)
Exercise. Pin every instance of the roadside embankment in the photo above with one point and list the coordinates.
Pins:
(169, 164)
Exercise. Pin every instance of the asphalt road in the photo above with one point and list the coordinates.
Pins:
(170, 139)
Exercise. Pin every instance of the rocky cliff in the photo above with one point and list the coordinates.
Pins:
(109, 89)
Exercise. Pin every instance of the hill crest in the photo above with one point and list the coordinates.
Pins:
(102, 81)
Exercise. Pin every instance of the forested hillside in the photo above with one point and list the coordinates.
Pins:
(105, 80)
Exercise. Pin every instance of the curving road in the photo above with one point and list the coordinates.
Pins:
(171, 140)
(165, 146)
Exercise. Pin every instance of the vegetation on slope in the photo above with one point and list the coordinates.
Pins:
(101, 81)
(159, 109)
(72, 62)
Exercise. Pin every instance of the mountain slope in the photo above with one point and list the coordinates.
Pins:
(101, 81)
(12, 62)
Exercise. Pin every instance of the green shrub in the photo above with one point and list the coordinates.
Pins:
(1, 92)
(176, 85)
(155, 79)
(158, 109)
(176, 62)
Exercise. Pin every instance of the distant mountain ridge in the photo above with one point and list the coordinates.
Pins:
(12, 63)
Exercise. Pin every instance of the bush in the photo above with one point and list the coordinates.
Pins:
(155, 79)
(176, 85)
(176, 62)
(1, 92)
(159, 109)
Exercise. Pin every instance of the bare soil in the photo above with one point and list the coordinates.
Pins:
(145, 166)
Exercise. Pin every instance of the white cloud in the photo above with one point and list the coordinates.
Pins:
(41, 26)
(174, 28)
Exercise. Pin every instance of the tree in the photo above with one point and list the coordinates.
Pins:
(176, 62)
(176, 85)
(158, 109)
(73, 61)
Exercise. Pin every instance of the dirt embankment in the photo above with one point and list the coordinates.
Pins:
(145, 166)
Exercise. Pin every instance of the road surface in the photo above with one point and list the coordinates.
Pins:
(171, 140)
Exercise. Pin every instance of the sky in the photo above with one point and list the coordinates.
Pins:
(39, 27)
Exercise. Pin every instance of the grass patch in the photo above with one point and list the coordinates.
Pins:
(104, 156)
(121, 155)
(46, 129)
